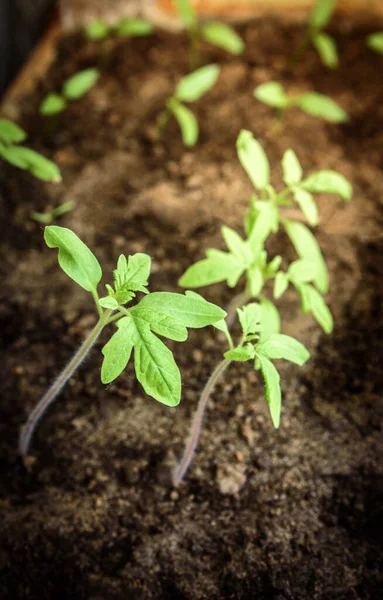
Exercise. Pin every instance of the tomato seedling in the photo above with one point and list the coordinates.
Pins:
(323, 42)
(74, 88)
(98, 29)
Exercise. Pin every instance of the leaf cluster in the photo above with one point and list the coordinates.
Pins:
(74, 88)
(98, 29)
(11, 150)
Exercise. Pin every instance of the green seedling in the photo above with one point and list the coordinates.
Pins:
(318, 105)
(189, 89)
(162, 313)
(323, 43)
(11, 136)
(46, 218)
(219, 34)
(74, 88)
(375, 42)
(247, 260)
(98, 29)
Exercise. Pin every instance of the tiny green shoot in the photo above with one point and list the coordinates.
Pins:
(189, 89)
(98, 29)
(11, 136)
(323, 42)
(375, 42)
(74, 88)
(48, 217)
(162, 314)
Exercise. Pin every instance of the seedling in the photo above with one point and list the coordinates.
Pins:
(50, 216)
(11, 136)
(318, 105)
(74, 88)
(261, 340)
(189, 89)
(219, 34)
(98, 29)
(375, 41)
(163, 313)
(322, 42)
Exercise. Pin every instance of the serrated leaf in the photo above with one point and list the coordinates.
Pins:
(133, 273)
(195, 85)
(281, 283)
(79, 84)
(279, 346)
(272, 93)
(97, 29)
(124, 296)
(237, 245)
(321, 13)
(292, 170)
(270, 319)
(118, 350)
(241, 353)
(187, 12)
(186, 120)
(323, 107)
(249, 317)
(313, 301)
(329, 182)
(108, 302)
(326, 49)
(375, 41)
(223, 36)
(218, 266)
(52, 104)
(253, 159)
(74, 257)
(301, 271)
(307, 205)
(133, 27)
(308, 249)
(273, 389)
(10, 133)
(255, 280)
(161, 324)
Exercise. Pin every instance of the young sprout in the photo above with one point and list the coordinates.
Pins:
(322, 42)
(11, 135)
(50, 216)
(74, 88)
(318, 105)
(375, 41)
(189, 89)
(162, 313)
(219, 34)
(98, 29)
(247, 258)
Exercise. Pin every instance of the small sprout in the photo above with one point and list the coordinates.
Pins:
(323, 43)
(24, 158)
(98, 29)
(160, 313)
(318, 105)
(189, 89)
(74, 88)
(49, 217)
(375, 41)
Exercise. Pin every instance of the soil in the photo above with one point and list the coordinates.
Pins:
(289, 514)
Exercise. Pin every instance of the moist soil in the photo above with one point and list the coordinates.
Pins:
(288, 514)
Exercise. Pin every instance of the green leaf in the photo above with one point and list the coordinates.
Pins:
(326, 49)
(328, 182)
(133, 27)
(218, 266)
(187, 309)
(241, 353)
(292, 170)
(223, 36)
(375, 41)
(162, 324)
(74, 257)
(187, 12)
(319, 105)
(237, 245)
(133, 273)
(307, 205)
(253, 159)
(250, 317)
(108, 302)
(265, 221)
(308, 248)
(273, 389)
(186, 121)
(80, 83)
(52, 105)
(321, 13)
(301, 271)
(255, 280)
(272, 93)
(283, 346)
(35, 163)
(118, 350)
(195, 85)
(281, 283)
(273, 266)
(10, 133)
(270, 319)
(97, 29)
(312, 301)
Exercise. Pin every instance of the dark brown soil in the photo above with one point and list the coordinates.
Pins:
(294, 514)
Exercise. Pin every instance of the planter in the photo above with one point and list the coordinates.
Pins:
(292, 514)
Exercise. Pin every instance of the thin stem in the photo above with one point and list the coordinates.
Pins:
(182, 467)
(97, 302)
(195, 53)
(40, 408)
(162, 121)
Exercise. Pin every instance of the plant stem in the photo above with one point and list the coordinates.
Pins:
(40, 408)
(238, 301)
(182, 467)
(162, 121)
(195, 53)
